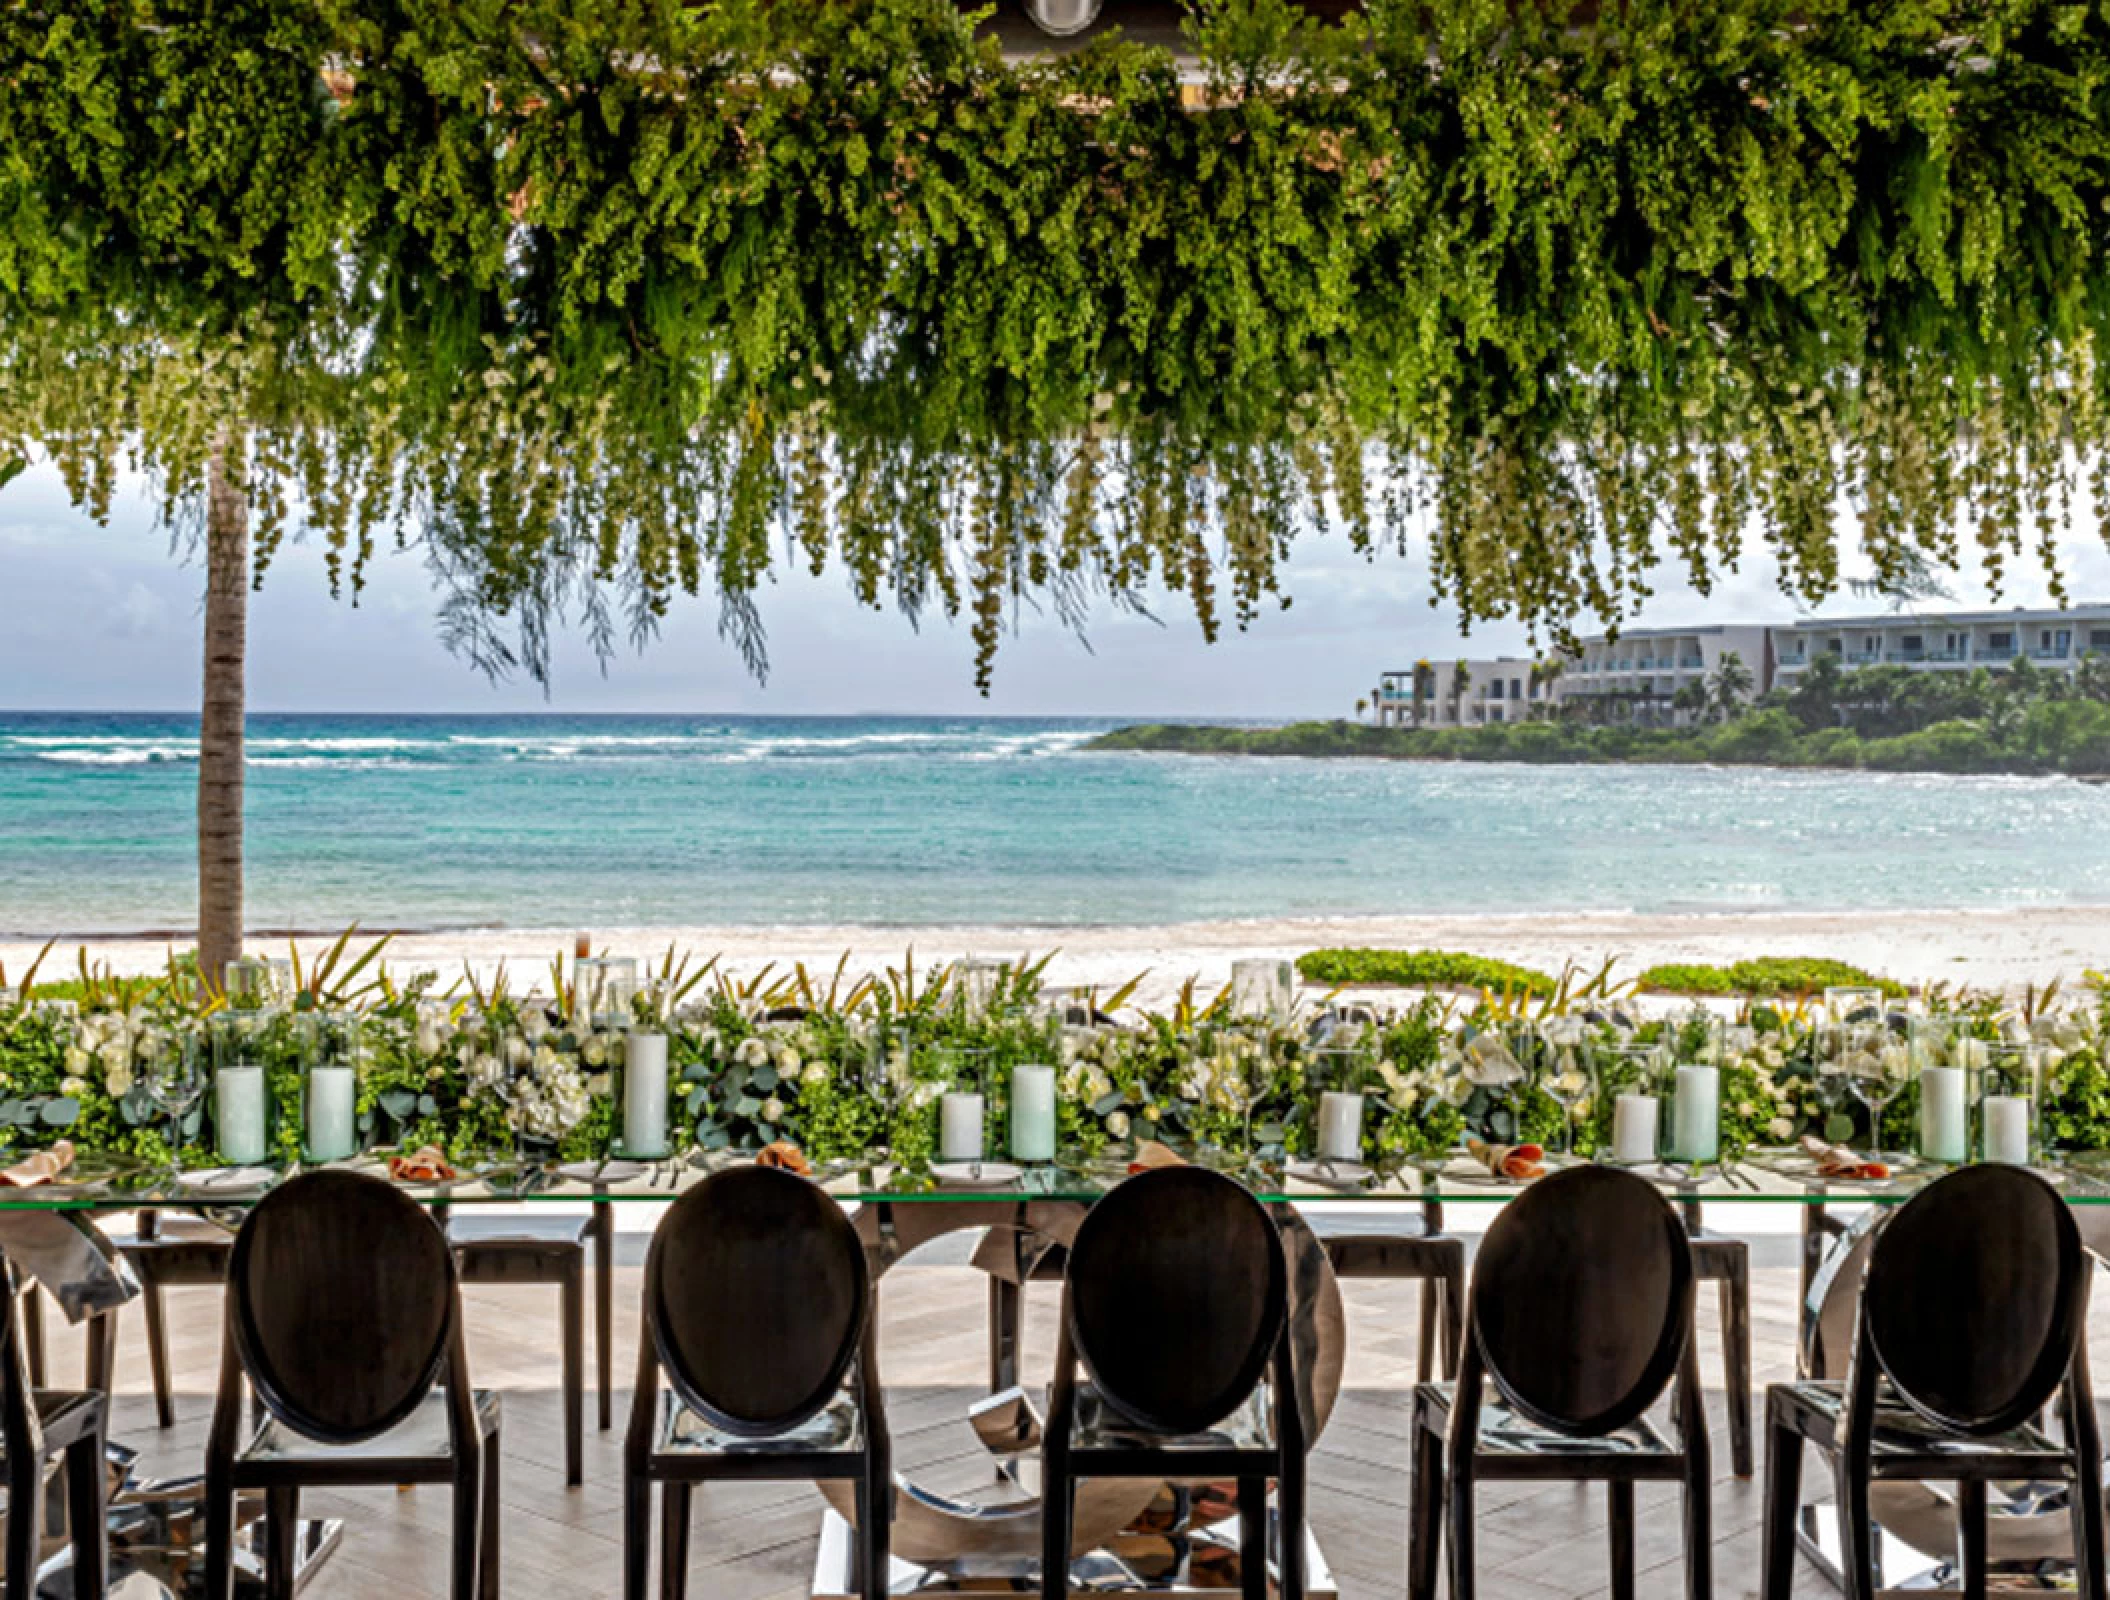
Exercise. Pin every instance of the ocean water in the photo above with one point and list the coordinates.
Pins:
(550, 822)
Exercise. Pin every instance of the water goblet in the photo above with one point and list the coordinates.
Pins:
(1565, 1073)
(1877, 1069)
(175, 1084)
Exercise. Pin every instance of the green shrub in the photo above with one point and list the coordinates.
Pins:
(1421, 969)
(1763, 975)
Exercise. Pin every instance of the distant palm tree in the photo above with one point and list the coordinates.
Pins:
(1461, 680)
(1691, 699)
(1730, 685)
(1424, 689)
(1361, 706)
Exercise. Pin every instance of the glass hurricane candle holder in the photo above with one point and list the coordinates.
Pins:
(1632, 1080)
(1263, 990)
(639, 1077)
(2010, 1085)
(330, 1086)
(1942, 1064)
(603, 989)
(246, 982)
(241, 1102)
(978, 986)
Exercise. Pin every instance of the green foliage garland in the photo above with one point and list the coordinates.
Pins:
(597, 304)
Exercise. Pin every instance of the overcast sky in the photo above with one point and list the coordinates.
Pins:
(107, 618)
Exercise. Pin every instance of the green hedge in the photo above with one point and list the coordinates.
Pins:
(1422, 969)
(1763, 975)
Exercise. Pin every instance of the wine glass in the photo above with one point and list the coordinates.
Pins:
(175, 1084)
(1564, 1072)
(1876, 1067)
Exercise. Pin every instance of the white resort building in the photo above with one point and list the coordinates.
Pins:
(1641, 672)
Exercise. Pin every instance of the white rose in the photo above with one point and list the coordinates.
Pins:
(151, 1046)
(594, 1052)
(75, 1087)
(518, 1051)
(752, 1053)
(1117, 1125)
(77, 1061)
(535, 1024)
(816, 1072)
(772, 1110)
(787, 1061)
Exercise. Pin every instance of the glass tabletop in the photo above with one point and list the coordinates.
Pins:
(1780, 1177)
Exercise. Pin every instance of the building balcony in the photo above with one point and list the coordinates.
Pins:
(1863, 658)
(2049, 655)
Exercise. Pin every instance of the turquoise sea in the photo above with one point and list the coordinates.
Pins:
(552, 821)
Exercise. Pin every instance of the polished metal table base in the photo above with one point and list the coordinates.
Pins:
(1903, 1568)
(1199, 1561)
(155, 1526)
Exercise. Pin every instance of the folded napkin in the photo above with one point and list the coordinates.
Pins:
(1837, 1161)
(1523, 1162)
(426, 1164)
(43, 1167)
(786, 1155)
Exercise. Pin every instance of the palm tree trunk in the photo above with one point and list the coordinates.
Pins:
(220, 722)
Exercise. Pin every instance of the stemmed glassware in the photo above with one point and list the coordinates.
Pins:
(175, 1084)
(1564, 1072)
(1878, 1068)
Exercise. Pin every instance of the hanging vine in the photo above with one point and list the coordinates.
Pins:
(597, 305)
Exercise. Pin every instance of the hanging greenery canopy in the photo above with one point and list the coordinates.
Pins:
(601, 301)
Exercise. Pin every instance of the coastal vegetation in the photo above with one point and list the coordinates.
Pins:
(1423, 969)
(1887, 719)
(1760, 977)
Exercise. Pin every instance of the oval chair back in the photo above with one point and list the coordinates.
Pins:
(1976, 1294)
(1177, 1292)
(1582, 1300)
(756, 1297)
(342, 1296)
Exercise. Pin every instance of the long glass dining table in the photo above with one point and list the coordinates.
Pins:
(1767, 1176)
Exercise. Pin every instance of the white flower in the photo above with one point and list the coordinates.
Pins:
(753, 1052)
(594, 1051)
(427, 1039)
(772, 1110)
(1780, 1128)
(1117, 1125)
(76, 1087)
(535, 1024)
(816, 1072)
(77, 1061)
(787, 1060)
(518, 1051)
(151, 1046)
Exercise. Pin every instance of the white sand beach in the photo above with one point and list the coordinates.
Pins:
(2002, 949)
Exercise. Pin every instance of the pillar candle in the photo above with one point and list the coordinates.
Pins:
(2007, 1129)
(1695, 1115)
(1032, 1113)
(1634, 1128)
(331, 1126)
(960, 1127)
(1941, 1113)
(238, 1114)
(1340, 1126)
(645, 1095)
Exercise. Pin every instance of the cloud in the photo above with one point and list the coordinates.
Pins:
(64, 580)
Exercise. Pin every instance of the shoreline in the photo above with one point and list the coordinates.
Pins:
(1993, 949)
